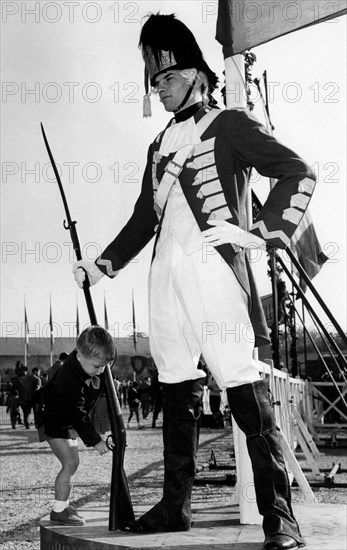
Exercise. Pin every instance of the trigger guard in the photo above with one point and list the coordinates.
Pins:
(111, 445)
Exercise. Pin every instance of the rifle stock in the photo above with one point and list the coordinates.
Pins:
(121, 509)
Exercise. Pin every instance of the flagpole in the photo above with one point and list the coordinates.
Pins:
(77, 319)
(304, 335)
(51, 328)
(236, 98)
(134, 322)
(235, 85)
(105, 313)
(272, 252)
(134, 328)
(26, 335)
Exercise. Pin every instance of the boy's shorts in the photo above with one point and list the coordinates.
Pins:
(47, 432)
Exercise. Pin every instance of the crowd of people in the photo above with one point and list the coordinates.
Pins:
(142, 398)
(23, 393)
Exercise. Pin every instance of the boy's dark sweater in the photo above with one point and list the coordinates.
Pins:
(68, 399)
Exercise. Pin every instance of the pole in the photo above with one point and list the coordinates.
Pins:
(236, 98)
(51, 329)
(308, 282)
(275, 324)
(26, 335)
(304, 335)
(134, 329)
(285, 319)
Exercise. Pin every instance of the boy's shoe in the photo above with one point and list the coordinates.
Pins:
(75, 511)
(67, 517)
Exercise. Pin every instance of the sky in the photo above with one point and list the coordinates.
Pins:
(76, 67)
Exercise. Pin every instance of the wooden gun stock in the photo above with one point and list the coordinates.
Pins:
(121, 509)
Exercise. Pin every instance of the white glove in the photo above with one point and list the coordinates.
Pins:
(79, 270)
(225, 232)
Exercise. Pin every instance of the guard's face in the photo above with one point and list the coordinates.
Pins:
(172, 88)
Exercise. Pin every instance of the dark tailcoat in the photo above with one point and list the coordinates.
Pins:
(214, 180)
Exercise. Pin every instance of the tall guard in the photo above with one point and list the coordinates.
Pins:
(202, 295)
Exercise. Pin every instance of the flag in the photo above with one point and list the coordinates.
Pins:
(306, 248)
(244, 24)
(138, 363)
(26, 336)
(77, 321)
(105, 314)
(51, 329)
(134, 323)
(304, 243)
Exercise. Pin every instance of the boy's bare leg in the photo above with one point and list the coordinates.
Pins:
(66, 451)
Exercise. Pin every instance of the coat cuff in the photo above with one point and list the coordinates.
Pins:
(277, 228)
(108, 266)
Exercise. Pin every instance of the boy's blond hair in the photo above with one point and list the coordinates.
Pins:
(95, 341)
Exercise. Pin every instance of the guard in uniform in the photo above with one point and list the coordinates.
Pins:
(202, 295)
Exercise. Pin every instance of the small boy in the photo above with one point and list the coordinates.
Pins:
(66, 403)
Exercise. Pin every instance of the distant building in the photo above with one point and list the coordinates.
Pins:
(12, 350)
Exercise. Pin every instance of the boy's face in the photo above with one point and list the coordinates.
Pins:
(172, 88)
(92, 365)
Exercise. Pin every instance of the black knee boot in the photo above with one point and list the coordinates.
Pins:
(182, 406)
(252, 410)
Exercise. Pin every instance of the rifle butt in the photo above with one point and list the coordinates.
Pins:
(121, 509)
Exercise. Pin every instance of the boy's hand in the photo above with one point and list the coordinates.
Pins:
(101, 447)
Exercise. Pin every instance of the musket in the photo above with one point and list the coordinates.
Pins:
(121, 509)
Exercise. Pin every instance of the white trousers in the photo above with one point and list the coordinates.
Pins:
(197, 306)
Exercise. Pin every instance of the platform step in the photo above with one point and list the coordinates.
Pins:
(216, 527)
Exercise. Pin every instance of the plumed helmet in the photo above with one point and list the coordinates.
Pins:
(167, 43)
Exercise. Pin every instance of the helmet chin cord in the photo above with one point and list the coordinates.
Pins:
(186, 97)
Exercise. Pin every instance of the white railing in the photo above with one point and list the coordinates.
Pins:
(321, 403)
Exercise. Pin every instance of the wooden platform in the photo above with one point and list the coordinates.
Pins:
(216, 527)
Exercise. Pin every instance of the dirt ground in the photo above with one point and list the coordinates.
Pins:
(28, 469)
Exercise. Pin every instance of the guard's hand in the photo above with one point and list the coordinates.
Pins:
(224, 232)
(101, 447)
(79, 269)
